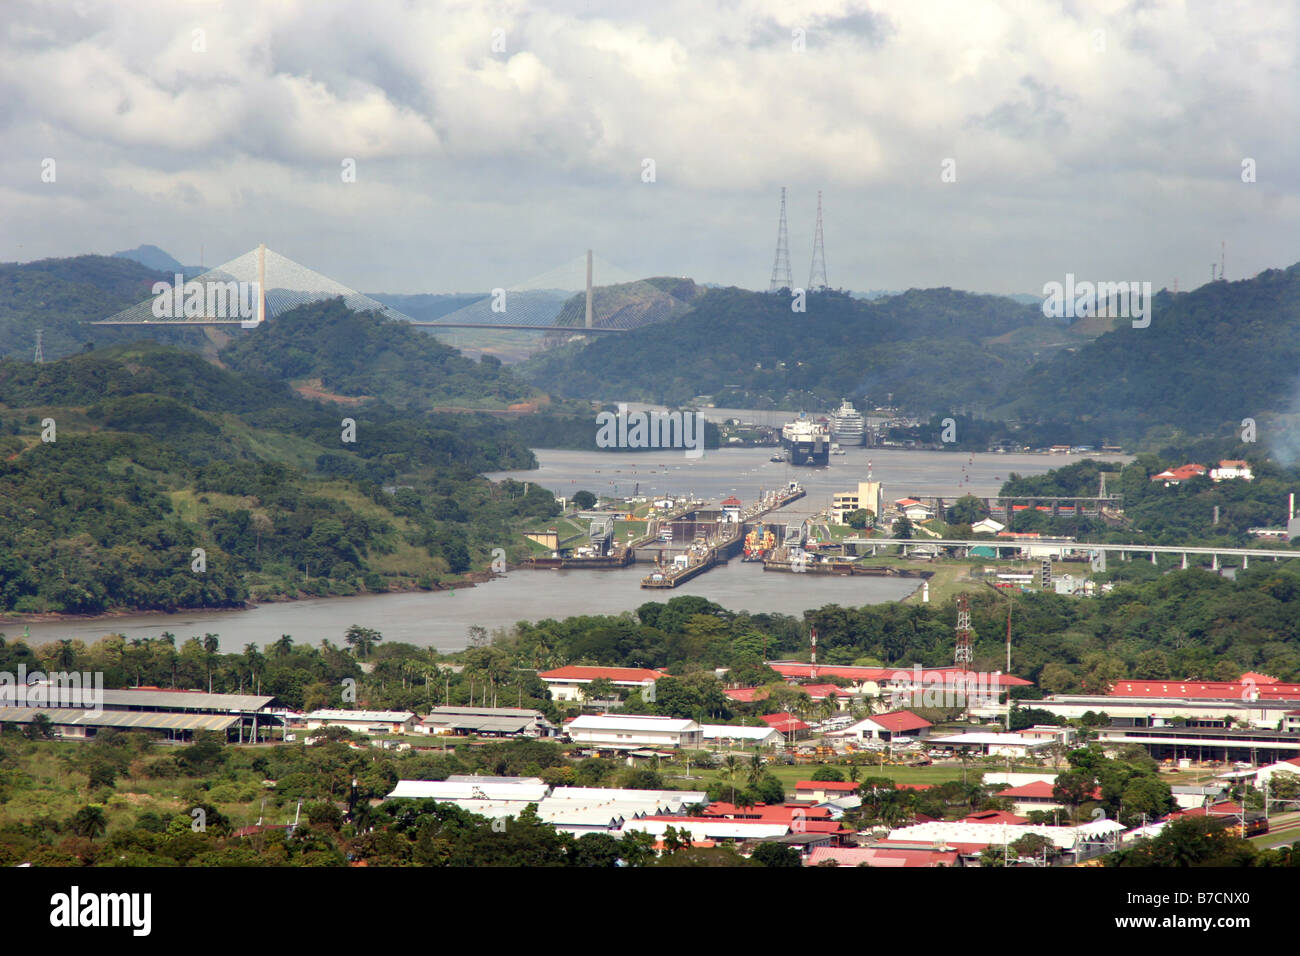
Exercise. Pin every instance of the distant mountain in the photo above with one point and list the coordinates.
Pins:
(428, 307)
(151, 257)
(929, 349)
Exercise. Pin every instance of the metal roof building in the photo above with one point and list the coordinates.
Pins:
(73, 722)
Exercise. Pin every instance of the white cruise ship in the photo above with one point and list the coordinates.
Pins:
(848, 427)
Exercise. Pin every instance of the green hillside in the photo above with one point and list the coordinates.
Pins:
(364, 355)
(1210, 357)
(156, 452)
(929, 348)
(60, 296)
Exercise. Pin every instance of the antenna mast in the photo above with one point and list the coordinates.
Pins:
(962, 656)
(817, 274)
(40, 348)
(781, 266)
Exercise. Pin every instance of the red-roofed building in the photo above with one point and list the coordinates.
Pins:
(883, 855)
(1175, 476)
(1246, 689)
(995, 816)
(819, 791)
(1036, 796)
(568, 683)
(788, 724)
(898, 723)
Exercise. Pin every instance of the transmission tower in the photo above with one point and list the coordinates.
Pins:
(40, 350)
(963, 656)
(781, 267)
(817, 274)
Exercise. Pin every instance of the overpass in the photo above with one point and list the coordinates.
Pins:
(1064, 546)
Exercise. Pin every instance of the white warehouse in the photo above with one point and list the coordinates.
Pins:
(632, 732)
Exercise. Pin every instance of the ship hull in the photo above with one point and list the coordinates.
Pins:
(808, 453)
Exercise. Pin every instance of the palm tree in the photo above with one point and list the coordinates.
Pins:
(755, 773)
(283, 647)
(211, 644)
(89, 821)
(66, 655)
(731, 763)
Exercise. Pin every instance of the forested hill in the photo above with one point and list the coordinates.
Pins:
(357, 355)
(59, 296)
(116, 464)
(748, 347)
(1211, 357)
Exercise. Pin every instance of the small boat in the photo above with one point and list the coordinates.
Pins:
(776, 458)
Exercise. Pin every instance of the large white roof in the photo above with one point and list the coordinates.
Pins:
(632, 722)
(458, 790)
(720, 829)
(386, 716)
(940, 831)
(716, 731)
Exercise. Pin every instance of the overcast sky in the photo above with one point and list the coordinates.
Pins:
(1104, 139)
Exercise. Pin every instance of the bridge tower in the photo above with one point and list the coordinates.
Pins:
(963, 654)
(588, 288)
(817, 274)
(781, 267)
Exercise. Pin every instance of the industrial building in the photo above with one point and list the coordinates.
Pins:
(633, 732)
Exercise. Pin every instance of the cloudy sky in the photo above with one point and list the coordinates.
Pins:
(495, 141)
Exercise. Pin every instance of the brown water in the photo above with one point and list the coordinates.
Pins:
(442, 619)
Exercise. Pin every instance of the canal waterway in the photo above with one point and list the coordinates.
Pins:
(442, 619)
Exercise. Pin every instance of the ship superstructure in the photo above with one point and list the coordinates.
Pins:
(848, 427)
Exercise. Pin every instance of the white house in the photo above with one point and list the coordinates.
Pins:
(992, 744)
(914, 510)
(886, 726)
(632, 732)
(363, 721)
(725, 735)
(1229, 469)
(569, 683)
(988, 526)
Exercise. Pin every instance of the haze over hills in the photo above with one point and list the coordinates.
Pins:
(151, 257)
(748, 349)
(1210, 358)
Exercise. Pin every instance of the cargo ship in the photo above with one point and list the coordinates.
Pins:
(848, 427)
(807, 442)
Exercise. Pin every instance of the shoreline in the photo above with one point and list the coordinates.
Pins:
(473, 579)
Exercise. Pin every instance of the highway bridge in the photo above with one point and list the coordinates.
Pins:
(1065, 547)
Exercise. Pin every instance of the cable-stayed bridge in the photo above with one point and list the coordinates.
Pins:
(263, 284)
